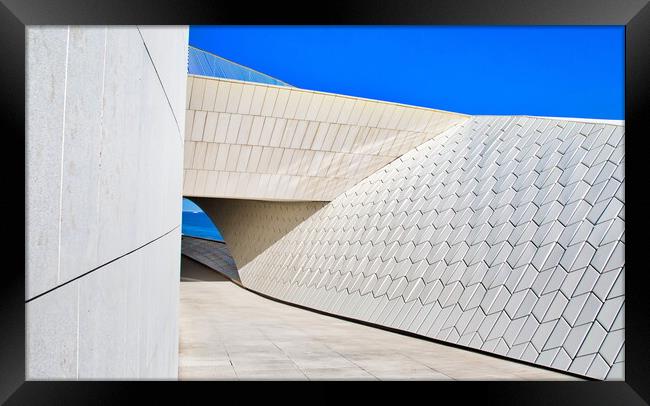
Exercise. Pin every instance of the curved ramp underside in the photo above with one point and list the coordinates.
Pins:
(213, 254)
(250, 226)
(506, 235)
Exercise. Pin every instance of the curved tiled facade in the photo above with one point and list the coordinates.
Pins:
(505, 234)
(263, 142)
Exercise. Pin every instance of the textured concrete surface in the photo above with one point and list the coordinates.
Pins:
(228, 333)
(51, 335)
(264, 142)
(103, 150)
(506, 234)
(251, 226)
(117, 322)
(46, 64)
(104, 182)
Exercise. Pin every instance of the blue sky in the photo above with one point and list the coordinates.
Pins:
(196, 223)
(545, 71)
(189, 205)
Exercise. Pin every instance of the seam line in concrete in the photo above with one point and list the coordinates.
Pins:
(162, 86)
(102, 265)
(65, 96)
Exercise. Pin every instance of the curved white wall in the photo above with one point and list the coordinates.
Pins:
(104, 150)
(506, 234)
(264, 142)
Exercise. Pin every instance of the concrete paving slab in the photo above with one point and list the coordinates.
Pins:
(227, 332)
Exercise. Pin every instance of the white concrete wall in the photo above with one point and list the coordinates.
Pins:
(104, 151)
(506, 234)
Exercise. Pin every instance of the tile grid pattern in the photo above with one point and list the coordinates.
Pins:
(257, 141)
(506, 234)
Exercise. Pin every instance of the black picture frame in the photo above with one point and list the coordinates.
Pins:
(16, 14)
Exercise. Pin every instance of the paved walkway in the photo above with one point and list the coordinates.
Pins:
(229, 333)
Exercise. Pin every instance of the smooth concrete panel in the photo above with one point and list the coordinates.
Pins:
(51, 334)
(82, 151)
(515, 226)
(159, 357)
(116, 167)
(118, 322)
(128, 315)
(141, 149)
(110, 174)
(167, 46)
(46, 53)
(103, 310)
(125, 74)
